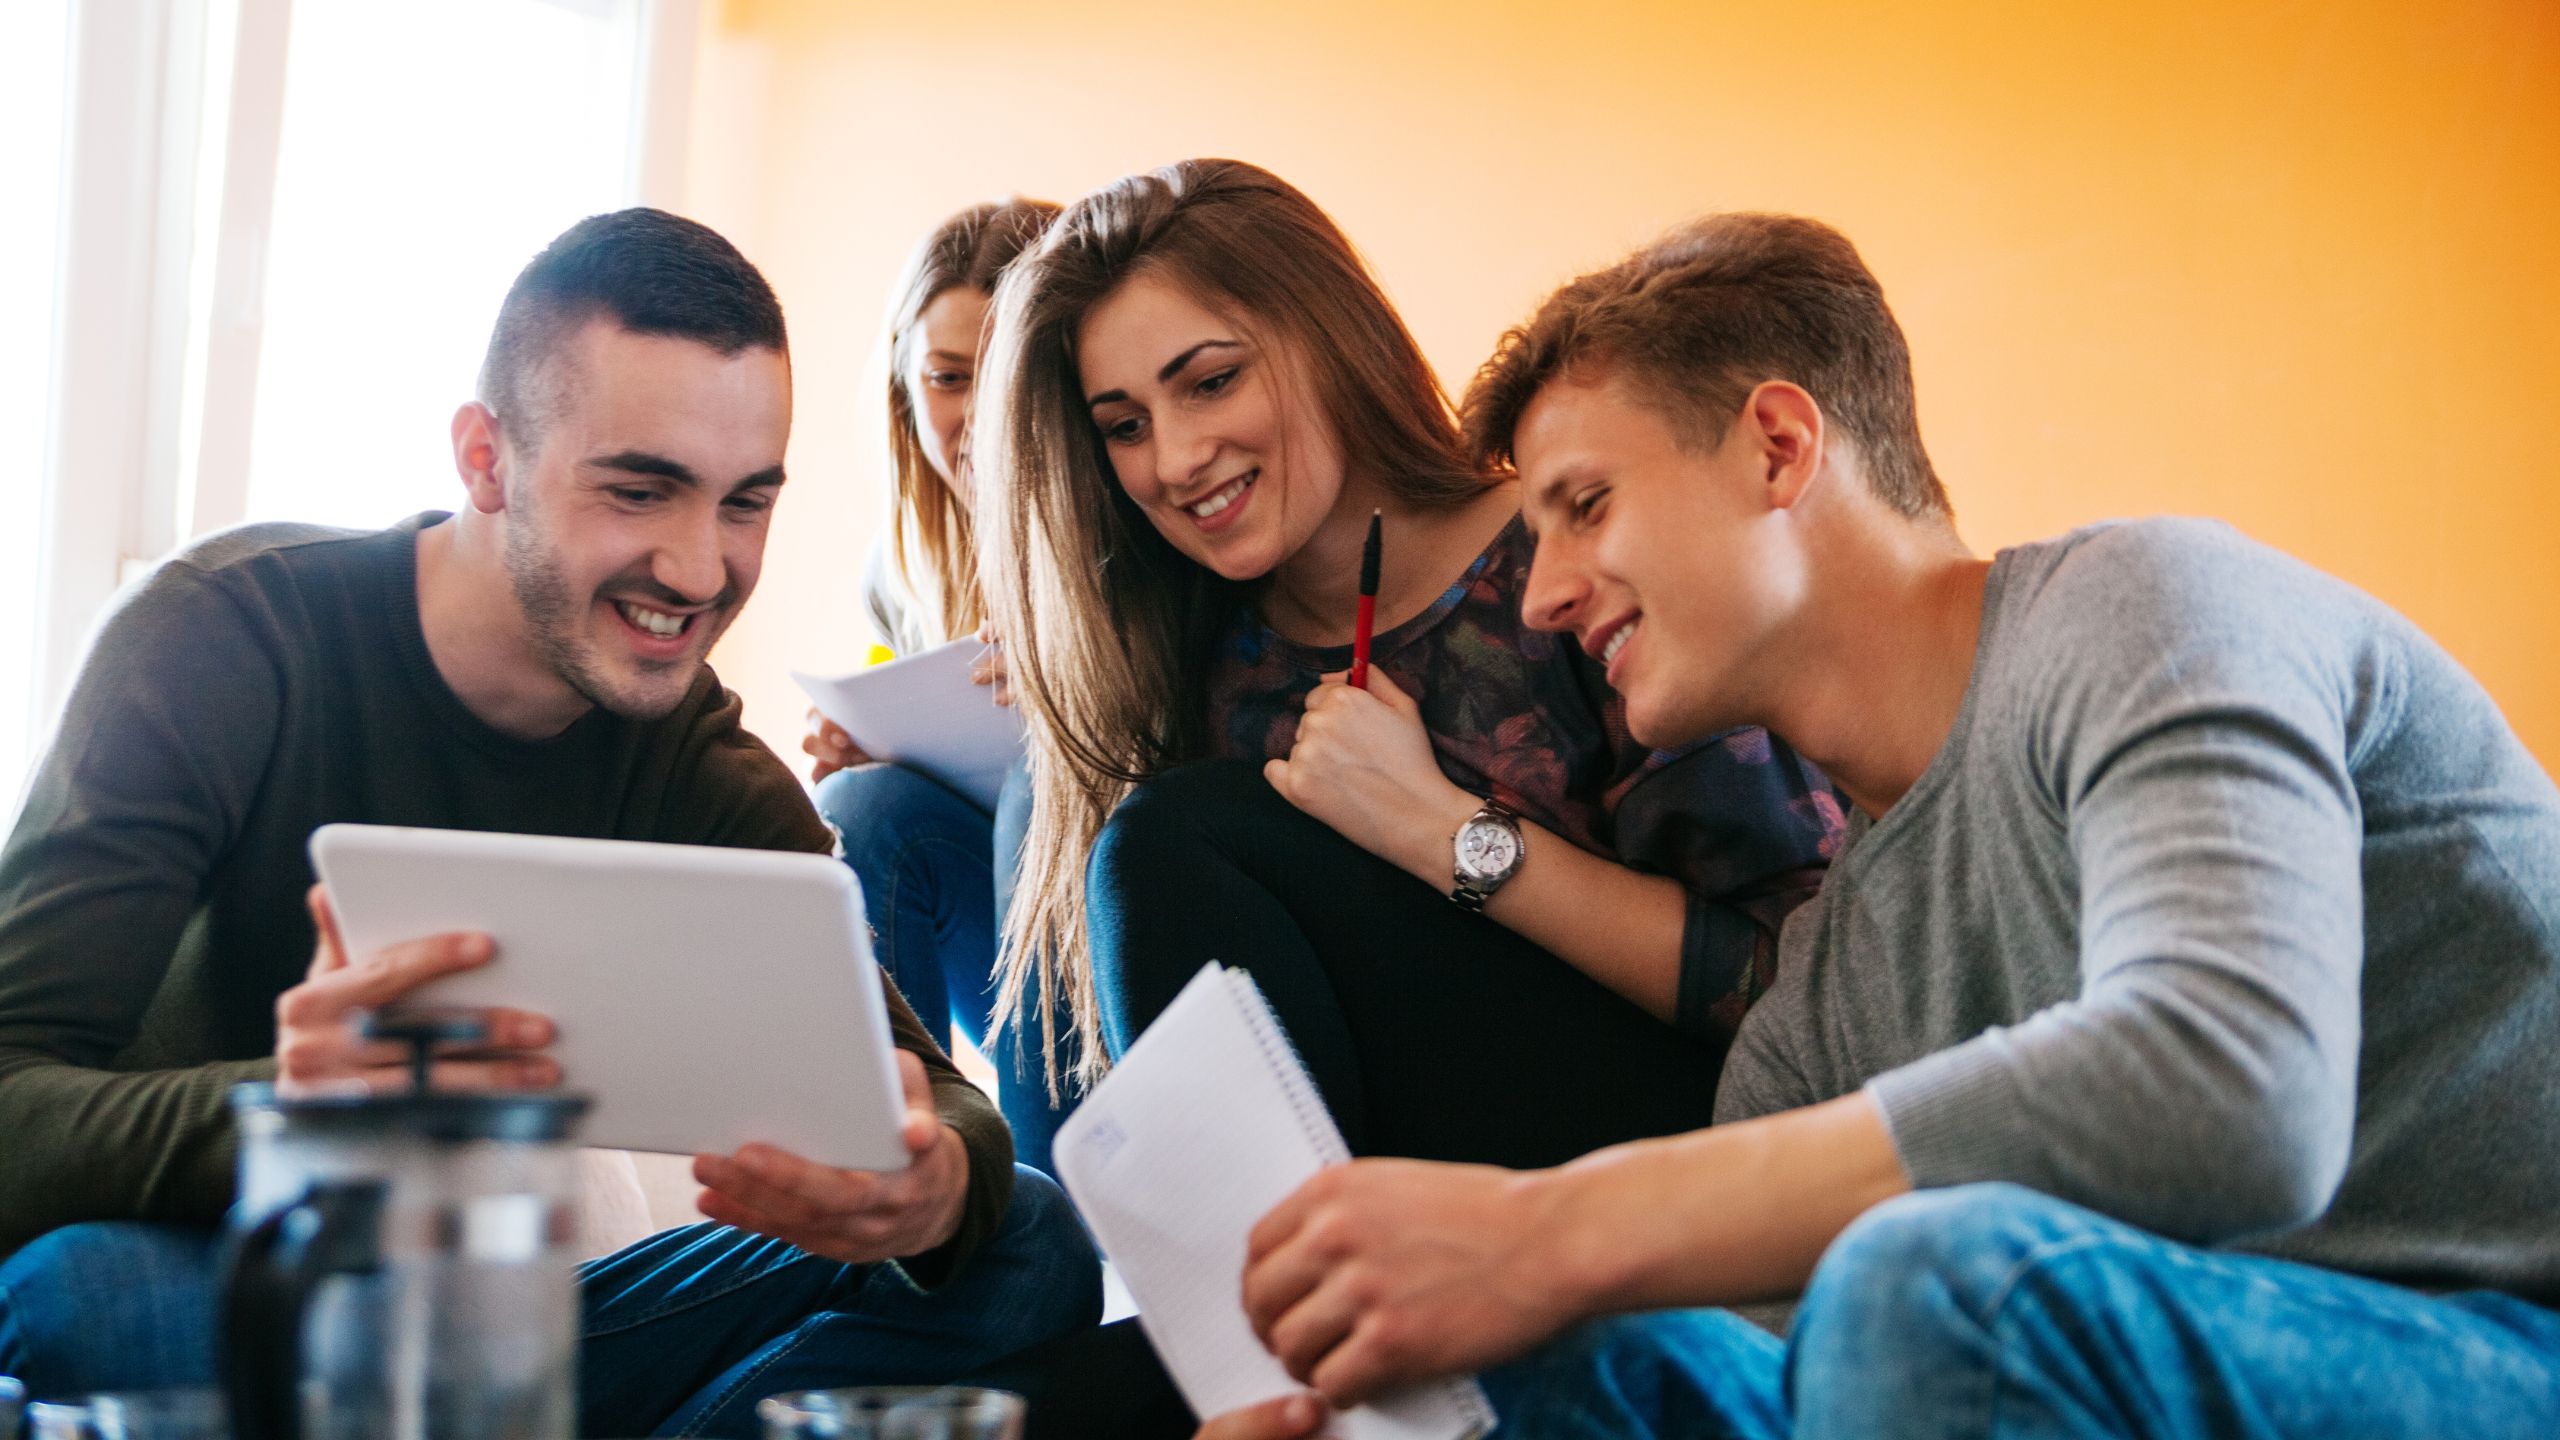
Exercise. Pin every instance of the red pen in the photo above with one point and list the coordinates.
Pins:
(1368, 605)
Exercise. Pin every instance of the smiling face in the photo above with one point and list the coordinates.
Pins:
(1675, 568)
(1213, 433)
(938, 366)
(636, 528)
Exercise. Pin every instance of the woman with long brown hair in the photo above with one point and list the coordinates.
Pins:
(934, 866)
(1198, 397)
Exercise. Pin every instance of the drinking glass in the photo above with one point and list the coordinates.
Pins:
(190, 1414)
(893, 1412)
(57, 1420)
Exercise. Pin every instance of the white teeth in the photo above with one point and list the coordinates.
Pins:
(1224, 498)
(656, 622)
(1617, 642)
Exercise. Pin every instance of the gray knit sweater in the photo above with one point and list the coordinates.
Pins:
(2230, 908)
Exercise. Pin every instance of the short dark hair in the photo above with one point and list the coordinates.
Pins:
(1692, 322)
(653, 273)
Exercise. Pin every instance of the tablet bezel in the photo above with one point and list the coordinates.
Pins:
(761, 1017)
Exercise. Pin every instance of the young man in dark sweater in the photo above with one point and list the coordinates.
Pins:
(533, 663)
(2174, 1049)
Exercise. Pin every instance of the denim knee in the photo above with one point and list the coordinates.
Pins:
(872, 807)
(1051, 1272)
(1666, 1373)
(109, 1304)
(1041, 1221)
(1912, 1286)
(1961, 1243)
(1164, 819)
(1160, 834)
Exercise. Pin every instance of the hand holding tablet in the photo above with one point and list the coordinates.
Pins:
(708, 999)
(848, 1215)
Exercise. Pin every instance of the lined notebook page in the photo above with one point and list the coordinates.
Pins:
(1201, 1129)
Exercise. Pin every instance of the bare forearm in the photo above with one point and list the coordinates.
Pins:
(1726, 1216)
(1619, 926)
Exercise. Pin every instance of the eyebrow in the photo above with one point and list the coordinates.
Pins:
(963, 356)
(1550, 495)
(641, 462)
(1170, 369)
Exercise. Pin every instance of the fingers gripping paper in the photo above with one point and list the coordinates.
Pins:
(923, 712)
(1206, 1124)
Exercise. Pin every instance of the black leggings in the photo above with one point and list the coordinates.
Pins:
(1432, 1032)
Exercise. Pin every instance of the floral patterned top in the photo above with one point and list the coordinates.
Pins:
(1525, 717)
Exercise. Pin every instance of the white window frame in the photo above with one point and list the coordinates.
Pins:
(160, 308)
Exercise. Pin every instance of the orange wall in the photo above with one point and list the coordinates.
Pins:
(2296, 265)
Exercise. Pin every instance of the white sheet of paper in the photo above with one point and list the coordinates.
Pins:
(1207, 1123)
(922, 712)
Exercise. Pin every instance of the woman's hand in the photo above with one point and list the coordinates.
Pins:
(829, 747)
(1363, 765)
(990, 667)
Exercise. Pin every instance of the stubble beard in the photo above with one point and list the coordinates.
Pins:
(555, 621)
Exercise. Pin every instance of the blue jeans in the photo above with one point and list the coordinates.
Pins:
(110, 1305)
(685, 1331)
(682, 1335)
(927, 858)
(1991, 1310)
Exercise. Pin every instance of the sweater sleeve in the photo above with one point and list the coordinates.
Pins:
(755, 803)
(2190, 730)
(1747, 827)
(162, 748)
(1762, 1073)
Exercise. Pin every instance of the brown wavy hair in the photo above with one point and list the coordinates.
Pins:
(933, 551)
(1692, 322)
(1110, 632)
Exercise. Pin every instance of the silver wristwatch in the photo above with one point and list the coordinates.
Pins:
(1489, 851)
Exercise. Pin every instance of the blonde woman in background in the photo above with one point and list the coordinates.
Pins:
(1198, 396)
(935, 868)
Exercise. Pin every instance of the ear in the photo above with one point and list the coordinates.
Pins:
(1785, 425)
(479, 457)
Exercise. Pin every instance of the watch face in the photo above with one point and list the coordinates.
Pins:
(1486, 849)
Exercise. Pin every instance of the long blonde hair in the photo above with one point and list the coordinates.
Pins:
(933, 552)
(1109, 631)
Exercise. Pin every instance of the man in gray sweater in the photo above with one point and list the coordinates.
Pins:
(2175, 1048)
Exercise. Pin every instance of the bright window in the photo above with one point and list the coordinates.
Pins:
(32, 66)
(427, 152)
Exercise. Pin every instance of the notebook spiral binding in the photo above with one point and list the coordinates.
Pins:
(1313, 1118)
(1317, 1121)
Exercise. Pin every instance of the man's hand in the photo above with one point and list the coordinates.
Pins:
(1383, 1272)
(1290, 1417)
(828, 747)
(854, 1216)
(318, 1049)
(1362, 763)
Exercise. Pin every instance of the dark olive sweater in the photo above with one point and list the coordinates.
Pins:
(264, 682)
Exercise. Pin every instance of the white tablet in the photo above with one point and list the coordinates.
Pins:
(706, 997)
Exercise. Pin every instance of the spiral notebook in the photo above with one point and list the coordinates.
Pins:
(1206, 1124)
